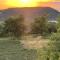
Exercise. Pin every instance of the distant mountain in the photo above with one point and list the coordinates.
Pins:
(30, 13)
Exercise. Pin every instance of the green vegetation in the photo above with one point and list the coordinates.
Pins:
(13, 27)
(14, 49)
(39, 26)
(52, 27)
(55, 42)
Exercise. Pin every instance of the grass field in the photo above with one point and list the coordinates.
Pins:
(14, 49)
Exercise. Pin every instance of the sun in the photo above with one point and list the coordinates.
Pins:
(24, 1)
(27, 3)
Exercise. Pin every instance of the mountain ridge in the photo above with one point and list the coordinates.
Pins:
(30, 12)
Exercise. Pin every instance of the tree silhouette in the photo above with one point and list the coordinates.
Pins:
(39, 26)
(14, 26)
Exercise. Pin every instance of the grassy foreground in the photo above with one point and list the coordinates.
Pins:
(14, 50)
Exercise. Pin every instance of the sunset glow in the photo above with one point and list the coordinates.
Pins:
(4, 4)
(22, 3)
(25, 3)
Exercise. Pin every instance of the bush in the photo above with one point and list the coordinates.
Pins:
(52, 27)
(39, 26)
(14, 27)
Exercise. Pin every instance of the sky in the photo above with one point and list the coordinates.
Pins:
(4, 4)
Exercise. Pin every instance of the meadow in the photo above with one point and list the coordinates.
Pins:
(25, 50)
(12, 50)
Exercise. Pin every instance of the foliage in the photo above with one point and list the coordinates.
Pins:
(55, 37)
(58, 22)
(52, 27)
(55, 42)
(1, 28)
(14, 26)
(39, 26)
(54, 46)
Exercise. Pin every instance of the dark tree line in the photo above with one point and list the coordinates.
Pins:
(42, 26)
(14, 26)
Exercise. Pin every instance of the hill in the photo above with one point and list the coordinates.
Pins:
(30, 12)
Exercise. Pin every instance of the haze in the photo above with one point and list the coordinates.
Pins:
(4, 4)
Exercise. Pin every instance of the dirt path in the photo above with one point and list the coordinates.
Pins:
(31, 42)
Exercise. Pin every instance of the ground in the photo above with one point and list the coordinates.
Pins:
(34, 42)
(26, 50)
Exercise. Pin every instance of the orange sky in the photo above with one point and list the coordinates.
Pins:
(30, 3)
(55, 5)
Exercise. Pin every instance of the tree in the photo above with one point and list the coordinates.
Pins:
(14, 26)
(52, 27)
(39, 26)
(55, 42)
(58, 24)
